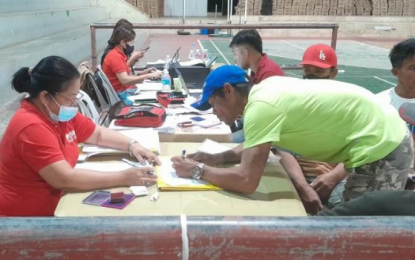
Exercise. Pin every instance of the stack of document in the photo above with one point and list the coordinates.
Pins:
(149, 86)
(147, 137)
(144, 97)
(113, 167)
(211, 147)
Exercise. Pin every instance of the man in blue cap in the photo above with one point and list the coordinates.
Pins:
(321, 120)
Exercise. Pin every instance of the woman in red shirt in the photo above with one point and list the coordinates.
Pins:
(39, 149)
(134, 57)
(115, 62)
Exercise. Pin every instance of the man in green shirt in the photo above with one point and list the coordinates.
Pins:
(321, 120)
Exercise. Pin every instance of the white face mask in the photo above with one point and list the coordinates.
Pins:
(65, 113)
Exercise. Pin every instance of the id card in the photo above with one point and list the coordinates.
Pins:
(97, 198)
(120, 205)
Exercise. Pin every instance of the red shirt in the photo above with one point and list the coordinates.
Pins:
(116, 62)
(30, 143)
(266, 68)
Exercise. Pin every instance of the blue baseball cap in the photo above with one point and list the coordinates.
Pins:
(216, 79)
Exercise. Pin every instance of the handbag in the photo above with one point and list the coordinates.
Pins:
(146, 115)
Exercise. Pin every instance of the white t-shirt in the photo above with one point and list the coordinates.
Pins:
(389, 96)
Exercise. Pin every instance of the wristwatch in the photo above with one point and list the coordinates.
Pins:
(197, 171)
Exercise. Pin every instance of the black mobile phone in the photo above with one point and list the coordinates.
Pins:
(146, 49)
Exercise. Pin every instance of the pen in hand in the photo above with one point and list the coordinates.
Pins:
(184, 154)
(136, 164)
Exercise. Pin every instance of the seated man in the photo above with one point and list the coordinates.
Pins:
(247, 52)
(321, 120)
(316, 182)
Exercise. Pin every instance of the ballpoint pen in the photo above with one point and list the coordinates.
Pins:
(137, 164)
(184, 154)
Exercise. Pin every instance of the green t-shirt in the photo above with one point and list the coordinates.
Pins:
(323, 120)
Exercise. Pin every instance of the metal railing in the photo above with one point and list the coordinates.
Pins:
(95, 26)
(213, 238)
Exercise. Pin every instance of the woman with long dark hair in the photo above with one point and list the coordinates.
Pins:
(135, 56)
(115, 63)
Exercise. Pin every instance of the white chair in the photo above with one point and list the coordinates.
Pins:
(87, 108)
(112, 95)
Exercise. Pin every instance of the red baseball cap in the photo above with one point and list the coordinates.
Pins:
(320, 55)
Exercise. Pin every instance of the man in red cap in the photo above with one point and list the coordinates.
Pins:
(316, 182)
(319, 62)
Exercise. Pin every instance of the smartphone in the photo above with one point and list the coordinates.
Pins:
(197, 118)
(146, 49)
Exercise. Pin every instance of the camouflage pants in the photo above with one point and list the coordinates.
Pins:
(388, 173)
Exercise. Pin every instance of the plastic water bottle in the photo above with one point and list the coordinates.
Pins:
(192, 52)
(166, 81)
(202, 55)
(207, 58)
(167, 62)
(197, 54)
(191, 55)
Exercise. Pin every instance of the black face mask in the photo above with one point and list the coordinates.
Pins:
(314, 77)
(129, 50)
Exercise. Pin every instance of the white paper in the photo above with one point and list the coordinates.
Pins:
(212, 147)
(82, 157)
(208, 123)
(149, 86)
(148, 138)
(193, 62)
(169, 176)
(159, 61)
(194, 110)
(169, 125)
(145, 95)
(89, 149)
(113, 167)
(103, 166)
(139, 190)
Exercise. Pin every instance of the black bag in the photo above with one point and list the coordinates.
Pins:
(92, 84)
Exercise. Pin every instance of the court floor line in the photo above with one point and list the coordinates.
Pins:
(214, 45)
(372, 46)
(384, 80)
(293, 74)
(201, 45)
(360, 77)
(292, 44)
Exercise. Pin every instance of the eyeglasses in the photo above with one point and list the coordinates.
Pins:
(75, 101)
